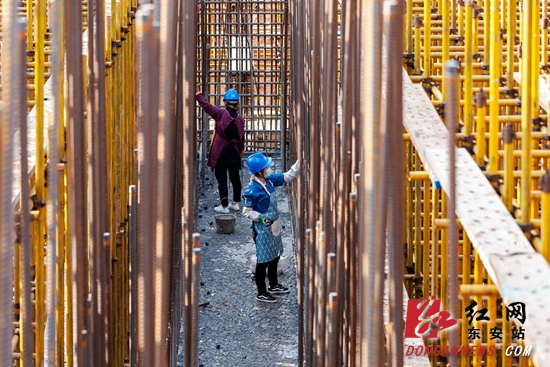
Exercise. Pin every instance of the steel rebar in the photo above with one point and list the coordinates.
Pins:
(394, 160)
(451, 117)
(76, 149)
(146, 307)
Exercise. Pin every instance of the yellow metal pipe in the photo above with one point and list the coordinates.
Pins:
(439, 78)
(460, 18)
(487, 36)
(468, 58)
(509, 182)
(544, 37)
(417, 57)
(545, 219)
(427, 40)
(426, 211)
(417, 223)
(494, 84)
(514, 118)
(40, 30)
(506, 361)
(467, 290)
(463, 102)
(423, 175)
(444, 223)
(481, 102)
(478, 280)
(491, 358)
(444, 268)
(466, 268)
(409, 29)
(435, 245)
(535, 58)
(538, 153)
(526, 112)
(446, 35)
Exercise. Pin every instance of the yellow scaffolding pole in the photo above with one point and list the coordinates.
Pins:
(40, 31)
(526, 112)
(468, 70)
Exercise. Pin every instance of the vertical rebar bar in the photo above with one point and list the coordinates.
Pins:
(371, 190)
(195, 294)
(308, 299)
(11, 115)
(189, 20)
(168, 31)
(133, 275)
(101, 220)
(76, 148)
(283, 74)
(394, 160)
(52, 222)
(297, 76)
(333, 349)
(146, 251)
(451, 117)
(95, 239)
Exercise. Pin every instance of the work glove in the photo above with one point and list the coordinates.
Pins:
(292, 172)
(266, 221)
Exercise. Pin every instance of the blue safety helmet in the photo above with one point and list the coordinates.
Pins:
(231, 96)
(257, 162)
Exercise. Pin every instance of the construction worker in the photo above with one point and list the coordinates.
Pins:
(227, 147)
(260, 205)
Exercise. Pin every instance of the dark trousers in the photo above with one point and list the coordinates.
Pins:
(221, 175)
(271, 267)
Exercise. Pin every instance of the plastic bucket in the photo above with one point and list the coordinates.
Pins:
(225, 223)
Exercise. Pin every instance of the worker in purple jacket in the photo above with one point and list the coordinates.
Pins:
(227, 147)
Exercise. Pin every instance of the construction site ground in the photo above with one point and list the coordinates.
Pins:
(234, 328)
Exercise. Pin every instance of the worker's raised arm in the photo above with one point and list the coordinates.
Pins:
(213, 111)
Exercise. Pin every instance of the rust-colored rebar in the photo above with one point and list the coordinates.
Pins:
(393, 18)
(168, 29)
(451, 117)
(188, 72)
(76, 154)
(102, 255)
(371, 189)
(146, 310)
(13, 80)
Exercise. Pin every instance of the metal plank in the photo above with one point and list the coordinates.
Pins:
(520, 274)
(543, 90)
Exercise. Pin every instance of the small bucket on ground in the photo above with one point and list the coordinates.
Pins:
(225, 223)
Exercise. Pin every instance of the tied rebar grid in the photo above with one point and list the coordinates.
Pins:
(244, 45)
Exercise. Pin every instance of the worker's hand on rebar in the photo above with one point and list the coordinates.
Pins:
(266, 221)
(197, 89)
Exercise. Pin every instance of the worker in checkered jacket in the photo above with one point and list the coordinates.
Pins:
(260, 205)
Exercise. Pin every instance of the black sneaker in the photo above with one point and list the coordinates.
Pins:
(266, 297)
(278, 289)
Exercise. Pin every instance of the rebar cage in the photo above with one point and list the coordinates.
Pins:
(245, 45)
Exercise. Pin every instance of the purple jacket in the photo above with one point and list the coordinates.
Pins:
(219, 141)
